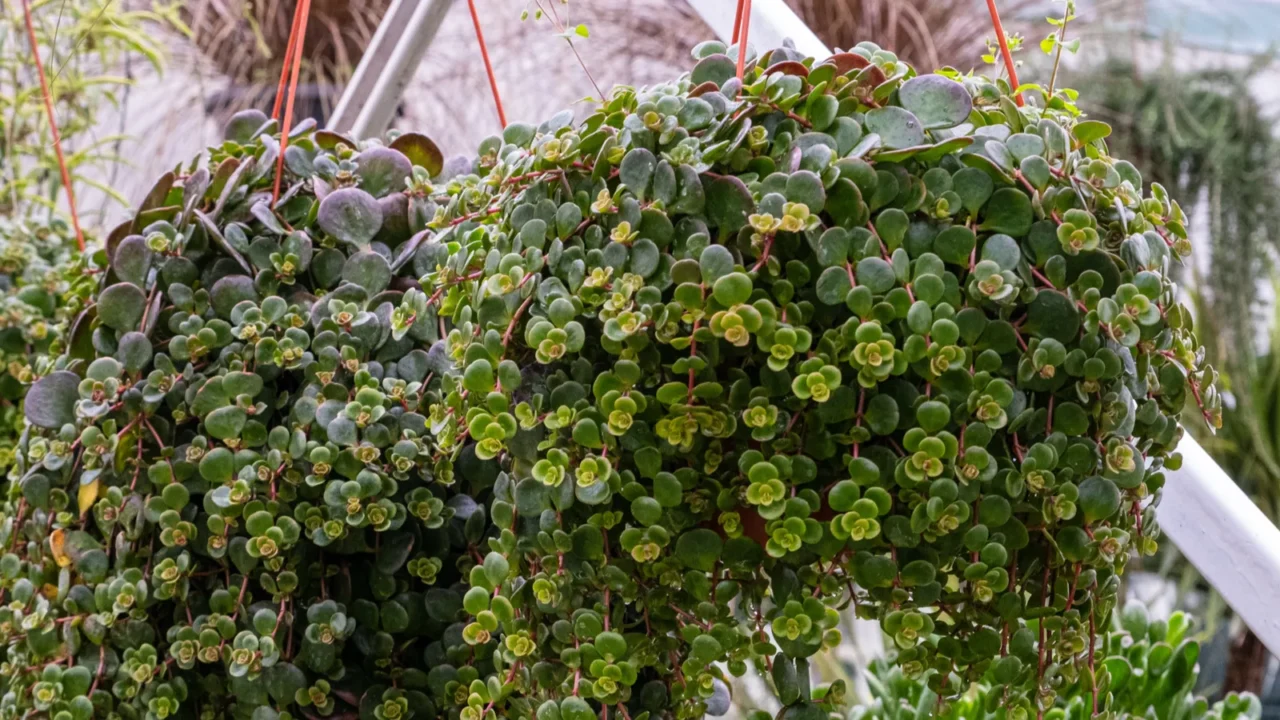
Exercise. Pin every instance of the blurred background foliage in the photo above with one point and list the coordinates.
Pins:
(85, 46)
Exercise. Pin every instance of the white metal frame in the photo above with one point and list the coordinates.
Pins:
(1207, 516)
(370, 99)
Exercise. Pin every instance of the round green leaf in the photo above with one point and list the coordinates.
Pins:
(954, 244)
(351, 215)
(715, 68)
(1070, 419)
(369, 270)
(1087, 131)
(120, 306)
(1002, 250)
(134, 352)
(843, 496)
(225, 423)
(217, 466)
(939, 102)
(132, 260)
(876, 275)
(716, 261)
(1009, 212)
(973, 186)
(933, 415)
(1099, 499)
(1051, 314)
(382, 170)
(806, 188)
(243, 126)
(732, 289)
(479, 376)
(231, 291)
(51, 401)
(898, 128)
(728, 202)
(421, 151)
(699, 549)
(882, 414)
(636, 171)
(1074, 543)
(646, 510)
(833, 285)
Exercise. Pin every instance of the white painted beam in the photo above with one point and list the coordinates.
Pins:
(369, 101)
(1228, 539)
(356, 94)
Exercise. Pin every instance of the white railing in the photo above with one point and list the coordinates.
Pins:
(1215, 525)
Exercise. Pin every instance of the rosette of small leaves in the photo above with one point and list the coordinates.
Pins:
(1146, 668)
(227, 468)
(837, 334)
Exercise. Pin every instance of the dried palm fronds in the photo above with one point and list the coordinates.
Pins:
(245, 41)
(926, 33)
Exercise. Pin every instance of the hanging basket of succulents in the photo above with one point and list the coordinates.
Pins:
(616, 410)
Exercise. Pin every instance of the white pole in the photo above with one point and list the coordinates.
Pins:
(1219, 529)
(387, 66)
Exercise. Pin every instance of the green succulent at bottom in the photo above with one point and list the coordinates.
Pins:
(1148, 669)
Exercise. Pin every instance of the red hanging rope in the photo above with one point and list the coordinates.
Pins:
(744, 20)
(304, 10)
(488, 66)
(288, 60)
(53, 124)
(1004, 51)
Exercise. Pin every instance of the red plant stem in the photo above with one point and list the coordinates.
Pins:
(744, 7)
(1004, 50)
(53, 123)
(488, 65)
(304, 8)
(288, 59)
(506, 336)
(102, 649)
(737, 23)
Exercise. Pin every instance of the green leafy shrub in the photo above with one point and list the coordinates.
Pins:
(1146, 666)
(39, 284)
(652, 398)
(217, 477)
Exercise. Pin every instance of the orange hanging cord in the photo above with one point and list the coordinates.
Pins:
(287, 61)
(294, 64)
(488, 65)
(741, 31)
(1004, 51)
(53, 124)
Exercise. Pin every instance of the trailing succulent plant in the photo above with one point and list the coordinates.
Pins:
(37, 281)
(618, 409)
(1149, 670)
(216, 477)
